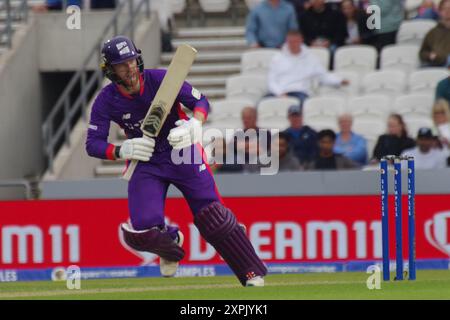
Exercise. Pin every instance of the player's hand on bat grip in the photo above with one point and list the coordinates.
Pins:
(185, 134)
(137, 149)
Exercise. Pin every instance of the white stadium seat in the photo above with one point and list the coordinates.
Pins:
(388, 82)
(360, 58)
(415, 104)
(272, 112)
(415, 110)
(400, 57)
(414, 31)
(257, 61)
(251, 87)
(323, 55)
(369, 117)
(426, 80)
(322, 112)
(178, 6)
(344, 91)
(414, 124)
(214, 5)
(226, 108)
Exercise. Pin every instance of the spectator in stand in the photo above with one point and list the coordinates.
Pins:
(441, 119)
(435, 48)
(56, 5)
(425, 156)
(356, 20)
(392, 13)
(327, 159)
(427, 10)
(269, 22)
(395, 141)
(287, 160)
(293, 69)
(247, 150)
(348, 143)
(302, 139)
(221, 164)
(443, 87)
(323, 26)
(300, 6)
(103, 4)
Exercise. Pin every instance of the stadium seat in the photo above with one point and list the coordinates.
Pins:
(370, 107)
(345, 91)
(257, 61)
(226, 108)
(414, 31)
(251, 87)
(323, 55)
(178, 6)
(388, 82)
(322, 112)
(361, 59)
(214, 5)
(415, 104)
(272, 112)
(400, 57)
(426, 80)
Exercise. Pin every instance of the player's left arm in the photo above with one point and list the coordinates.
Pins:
(188, 132)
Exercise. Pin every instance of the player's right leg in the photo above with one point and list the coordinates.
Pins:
(148, 231)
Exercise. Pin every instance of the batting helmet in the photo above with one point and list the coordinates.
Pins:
(117, 50)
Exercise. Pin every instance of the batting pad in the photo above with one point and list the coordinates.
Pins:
(153, 240)
(219, 227)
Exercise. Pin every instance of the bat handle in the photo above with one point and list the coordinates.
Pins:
(130, 169)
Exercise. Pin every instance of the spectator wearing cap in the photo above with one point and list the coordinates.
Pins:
(435, 48)
(425, 156)
(327, 159)
(287, 160)
(348, 143)
(395, 141)
(443, 86)
(269, 22)
(302, 139)
(292, 71)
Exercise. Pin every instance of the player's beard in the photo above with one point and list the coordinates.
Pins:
(131, 81)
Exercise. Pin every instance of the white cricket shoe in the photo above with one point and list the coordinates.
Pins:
(169, 268)
(257, 281)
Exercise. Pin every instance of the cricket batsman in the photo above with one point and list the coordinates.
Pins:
(126, 101)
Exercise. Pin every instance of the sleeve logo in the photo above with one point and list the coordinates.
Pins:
(196, 94)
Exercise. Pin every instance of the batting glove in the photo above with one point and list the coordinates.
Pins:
(137, 149)
(185, 134)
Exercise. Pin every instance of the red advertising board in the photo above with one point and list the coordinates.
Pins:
(44, 234)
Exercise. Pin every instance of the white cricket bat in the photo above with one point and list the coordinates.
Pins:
(165, 97)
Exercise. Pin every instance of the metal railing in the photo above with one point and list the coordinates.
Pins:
(53, 130)
(18, 13)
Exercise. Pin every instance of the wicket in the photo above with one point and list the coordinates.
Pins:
(384, 165)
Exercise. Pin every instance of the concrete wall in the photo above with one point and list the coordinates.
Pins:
(62, 49)
(254, 185)
(20, 96)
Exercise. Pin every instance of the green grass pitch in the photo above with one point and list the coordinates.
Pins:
(429, 285)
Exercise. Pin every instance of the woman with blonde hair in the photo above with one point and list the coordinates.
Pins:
(441, 119)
